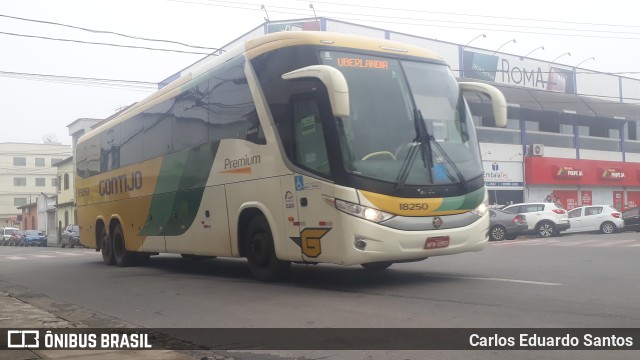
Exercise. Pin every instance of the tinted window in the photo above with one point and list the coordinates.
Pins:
(232, 113)
(110, 149)
(158, 125)
(39, 162)
(190, 118)
(131, 149)
(278, 92)
(220, 106)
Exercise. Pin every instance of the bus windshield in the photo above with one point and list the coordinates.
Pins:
(387, 99)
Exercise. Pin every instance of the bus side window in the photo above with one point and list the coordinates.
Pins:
(311, 151)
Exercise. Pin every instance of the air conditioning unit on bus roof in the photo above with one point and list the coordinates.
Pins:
(536, 150)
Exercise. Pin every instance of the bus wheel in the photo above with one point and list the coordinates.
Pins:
(122, 256)
(377, 266)
(106, 247)
(261, 254)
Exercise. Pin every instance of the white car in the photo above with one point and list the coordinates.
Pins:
(603, 218)
(544, 219)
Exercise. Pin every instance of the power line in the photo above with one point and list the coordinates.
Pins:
(105, 44)
(108, 32)
(472, 15)
(403, 20)
(75, 80)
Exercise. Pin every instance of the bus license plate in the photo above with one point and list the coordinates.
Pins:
(437, 242)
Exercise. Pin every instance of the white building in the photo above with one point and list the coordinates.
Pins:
(26, 172)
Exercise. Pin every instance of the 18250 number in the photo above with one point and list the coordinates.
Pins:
(414, 206)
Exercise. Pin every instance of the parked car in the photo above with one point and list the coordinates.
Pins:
(14, 239)
(504, 225)
(631, 218)
(33, 238)
(6, 234)
(544, 219)
(70, 236)
(603, 218)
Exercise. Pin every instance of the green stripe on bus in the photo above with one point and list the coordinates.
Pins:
(179, 190)
(463, 202)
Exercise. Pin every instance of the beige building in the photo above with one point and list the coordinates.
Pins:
(27, 171)
(65, 205)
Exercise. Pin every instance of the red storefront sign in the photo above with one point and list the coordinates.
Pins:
(633, 199)
(567, 198)
(614, 174)
(587, 197)
(568, 172)
(544, 171)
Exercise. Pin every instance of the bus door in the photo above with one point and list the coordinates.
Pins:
(316, 217)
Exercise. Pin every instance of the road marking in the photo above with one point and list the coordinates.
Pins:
(44, 256)
(612, 243)
(15, 258)
(570, 243)
(499, 279)
(68, 253)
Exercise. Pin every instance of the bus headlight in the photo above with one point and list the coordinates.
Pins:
(360, 211)
(482, 209)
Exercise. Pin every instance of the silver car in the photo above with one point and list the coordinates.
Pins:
(70, 236)
(504, 225)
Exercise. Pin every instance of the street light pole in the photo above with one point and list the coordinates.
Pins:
(479, 36)
(585, 60)
(529, 53)
(559, 56)
(501, 46)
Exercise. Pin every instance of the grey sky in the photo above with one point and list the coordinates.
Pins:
(31, 109)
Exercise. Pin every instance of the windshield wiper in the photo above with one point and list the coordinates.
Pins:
(424, 139)
(455, 168)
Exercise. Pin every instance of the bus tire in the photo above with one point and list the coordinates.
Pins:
(122, 256)
(377, 266)
(261, 254)
(106, 247)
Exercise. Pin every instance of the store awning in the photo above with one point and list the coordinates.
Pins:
(542, 100)
(520, 97)
(612, 109)
(561, 102)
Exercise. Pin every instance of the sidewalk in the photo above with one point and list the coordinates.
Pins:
(17, 314)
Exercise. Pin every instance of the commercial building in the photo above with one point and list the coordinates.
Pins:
(573, 134)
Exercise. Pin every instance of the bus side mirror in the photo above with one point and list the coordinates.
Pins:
(333, 79)
(498, 102)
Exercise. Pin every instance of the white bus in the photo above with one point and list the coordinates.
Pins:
(305, 147)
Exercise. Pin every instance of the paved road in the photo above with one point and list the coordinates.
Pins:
(586, 280)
